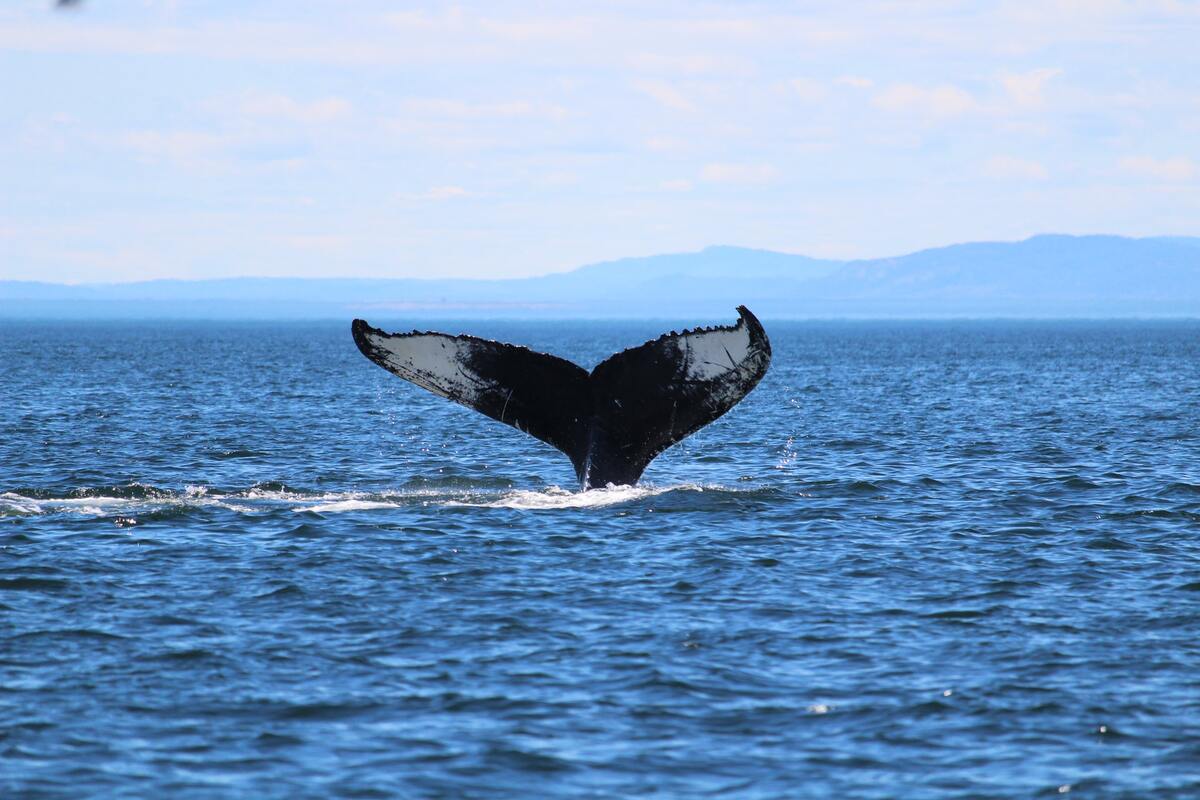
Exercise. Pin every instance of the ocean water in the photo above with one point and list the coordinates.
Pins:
(920, 560)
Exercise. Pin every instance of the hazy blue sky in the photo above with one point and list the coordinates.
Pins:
(206, 139)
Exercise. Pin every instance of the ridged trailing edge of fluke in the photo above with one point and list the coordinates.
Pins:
(611, 422)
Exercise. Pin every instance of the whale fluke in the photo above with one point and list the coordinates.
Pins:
(611, 422)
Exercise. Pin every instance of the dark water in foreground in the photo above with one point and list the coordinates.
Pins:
(921, 560)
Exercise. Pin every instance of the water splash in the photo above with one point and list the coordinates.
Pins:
(349, 504)
(109, 500)
(261, 498)
(554, 497)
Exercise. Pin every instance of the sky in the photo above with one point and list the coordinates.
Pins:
(207, 139)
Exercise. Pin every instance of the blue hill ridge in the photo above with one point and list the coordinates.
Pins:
(1043, 276)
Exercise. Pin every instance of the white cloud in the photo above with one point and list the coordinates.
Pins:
(557, 31)
(455, 18)
(242, 40)
(739, 173)
(808, 90)
(446, 192)
(676, 186)
(1027, 89)
(855, 81)
(689, 64)
(1161, 169)
(208, 151)
(729, 27)
(283, 107)
(189, 148)
(322, 242)
(667, 144)
(558, 178)
(1012, 168)
(934, 101)
(435, 194)
(459, 109)
(665, 94)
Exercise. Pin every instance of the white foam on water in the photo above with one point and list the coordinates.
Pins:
(16, 505)
(335, 502)
(102, 505)
(288, 496)
(252, 501)
(554, 497)
(347, 505)
(99, 501)
(281, 496)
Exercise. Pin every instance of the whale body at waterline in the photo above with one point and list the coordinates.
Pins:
(611, 422)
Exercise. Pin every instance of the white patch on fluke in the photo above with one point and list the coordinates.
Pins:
(432, 361)
(708, 355)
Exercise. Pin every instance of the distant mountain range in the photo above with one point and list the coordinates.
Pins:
(1045, 276)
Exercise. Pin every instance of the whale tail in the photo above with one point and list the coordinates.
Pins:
(611, 422)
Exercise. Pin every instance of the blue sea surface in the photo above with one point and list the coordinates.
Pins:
(952, 559)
